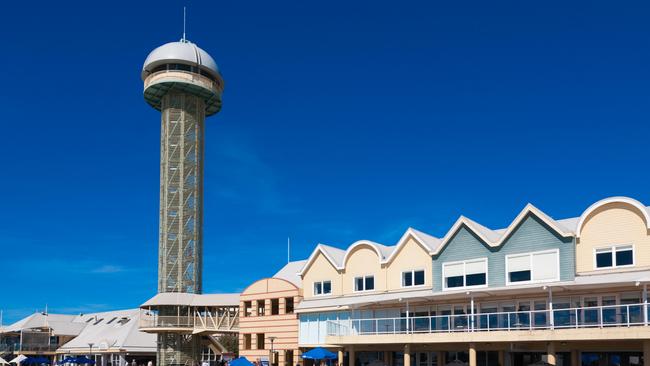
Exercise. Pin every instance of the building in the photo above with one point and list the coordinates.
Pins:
(110, 338)
(183, 82)
(203, 317)
(568, 292)
(268, 322)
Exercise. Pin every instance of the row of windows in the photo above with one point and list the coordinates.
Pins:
(367, 283)
(275, 307)
(542, 266)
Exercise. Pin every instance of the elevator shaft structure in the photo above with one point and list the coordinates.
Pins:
(182, 81)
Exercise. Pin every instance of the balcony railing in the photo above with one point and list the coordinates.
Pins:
(195, 323)
(582, 317)
(28, 347)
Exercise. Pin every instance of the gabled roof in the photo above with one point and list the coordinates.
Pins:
(61, 324)
(290, 272)
(180, 298)
(111, 330)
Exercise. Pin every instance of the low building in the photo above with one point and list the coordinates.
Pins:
(110, 338)
(268, 322)
(567, 292)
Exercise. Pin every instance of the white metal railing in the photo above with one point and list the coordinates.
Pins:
(190, 76)
(226, 321)
(582, 317)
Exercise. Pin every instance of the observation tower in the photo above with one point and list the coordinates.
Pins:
(182, 81)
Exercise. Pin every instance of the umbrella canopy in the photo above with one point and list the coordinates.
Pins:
(35, 361)
(240, 361)
(83, 360)
(319, 353)
(3, 361)
(18, 359)
(66, 360)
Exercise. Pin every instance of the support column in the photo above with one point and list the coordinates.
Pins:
(502, 358)
(441, 358)
(387, 358)
(646, 352)
(341, 357)
(407, 355)
(645, 304)
(575, 358)
(550, 353)
(472, 354)
(351, 356)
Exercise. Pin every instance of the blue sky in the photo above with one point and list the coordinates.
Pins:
(341, 121)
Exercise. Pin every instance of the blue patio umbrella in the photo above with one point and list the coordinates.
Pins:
(66, 360)
(319, 353)
(35, 361)
(240, 361)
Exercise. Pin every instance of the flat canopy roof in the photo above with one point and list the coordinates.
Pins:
(185, 299)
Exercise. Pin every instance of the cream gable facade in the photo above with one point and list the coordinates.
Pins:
(410, 257)
(363, 261)
(321, 269)
(613, 222)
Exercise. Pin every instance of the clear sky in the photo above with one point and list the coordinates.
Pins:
(341, 121)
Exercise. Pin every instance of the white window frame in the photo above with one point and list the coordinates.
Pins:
(412, 272)
(354, 283)
(532, 270)
(613, 248)
(444, 278)
(322, 286)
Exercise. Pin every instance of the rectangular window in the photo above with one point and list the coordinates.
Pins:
(322, 288)
(260, 340)
(288, 305)
(248, 308)
(533, 267)
(260, 308)
(615, 256)
(471, 273)
(413, 278)
(365, 283)
(275, 306)
(247, 341)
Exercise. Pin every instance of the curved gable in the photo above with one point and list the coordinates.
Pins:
(362, 260)
(613, 222)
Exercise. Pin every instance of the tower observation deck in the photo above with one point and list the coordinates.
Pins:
(182, 81)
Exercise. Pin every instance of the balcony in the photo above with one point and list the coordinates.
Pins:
(35, 348)
(197, 323)
(614, 316)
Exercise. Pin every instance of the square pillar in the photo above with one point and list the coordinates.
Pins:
(502, 358)
(472, 354)
(575, 358)
(550, 353)
(352, 357)
(646, 352)
(341, 357)
(407, 355)
(282, 304)
(387, 358)
(441, 359)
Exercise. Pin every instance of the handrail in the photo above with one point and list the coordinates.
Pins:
(578, 317)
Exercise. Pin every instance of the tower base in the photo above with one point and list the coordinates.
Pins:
(175, 349)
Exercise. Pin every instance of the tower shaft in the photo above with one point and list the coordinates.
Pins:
(181, 193)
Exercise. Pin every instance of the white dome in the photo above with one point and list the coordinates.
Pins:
(180, 52)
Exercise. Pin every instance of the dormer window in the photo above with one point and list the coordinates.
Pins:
(413, 278)
(614, 256)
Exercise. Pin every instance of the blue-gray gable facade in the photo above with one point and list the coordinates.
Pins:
(531, 235)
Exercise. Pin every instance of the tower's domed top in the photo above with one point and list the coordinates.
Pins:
(182, 52)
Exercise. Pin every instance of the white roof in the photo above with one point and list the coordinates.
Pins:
(290, 272)
(180, 298)
(111, 330)
(61, 324)
(183, 52)
(3, 361)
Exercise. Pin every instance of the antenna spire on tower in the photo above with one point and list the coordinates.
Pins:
(184, 13)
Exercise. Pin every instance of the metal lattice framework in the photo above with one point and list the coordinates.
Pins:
(181, 191)
(175, 349)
